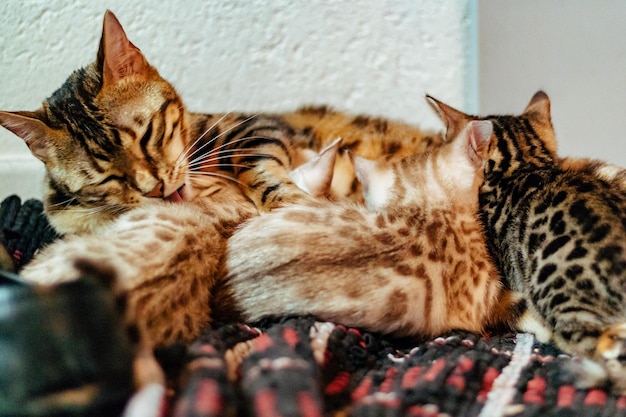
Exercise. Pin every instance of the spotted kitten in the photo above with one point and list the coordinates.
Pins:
(557, 229)
(416, 262)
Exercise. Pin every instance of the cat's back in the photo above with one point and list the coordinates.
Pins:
(425, 270)
(580, 195)
(368, 136)
(573, 224)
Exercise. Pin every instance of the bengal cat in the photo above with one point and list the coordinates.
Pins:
(117, 135)
(414, 262)
(557, 229)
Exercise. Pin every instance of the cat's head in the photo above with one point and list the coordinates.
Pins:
(519, 142)
(445, 177)
(111, 138)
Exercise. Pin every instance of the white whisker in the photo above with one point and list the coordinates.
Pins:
(183, 154)
(215, 174)
(216, 137)
(209, 142)
(219, 158)
(218, 150)
(200, 166)
(64, 203)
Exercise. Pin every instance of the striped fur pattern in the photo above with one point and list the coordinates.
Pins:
(558, 232)
(367, 136)
(116, 135)
(103, 152)
(415, 262)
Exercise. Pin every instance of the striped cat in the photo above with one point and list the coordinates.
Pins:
(117, 135)
(557, 229)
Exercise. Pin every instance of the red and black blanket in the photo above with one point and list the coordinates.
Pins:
(298, 366)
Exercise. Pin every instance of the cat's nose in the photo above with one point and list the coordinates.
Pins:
(157, 191)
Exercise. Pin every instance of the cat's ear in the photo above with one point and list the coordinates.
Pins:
(454, 120)
(478, 136)
(538, 112)
(364, 169)
(118, 57)
(377, 179)
(316, 175)
(540, 105)
(29, 127)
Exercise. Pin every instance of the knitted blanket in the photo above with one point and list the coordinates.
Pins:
(298, 366)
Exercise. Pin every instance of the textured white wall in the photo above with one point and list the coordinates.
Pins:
(371, 56)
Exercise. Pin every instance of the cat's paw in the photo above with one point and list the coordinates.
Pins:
(611, 352)
(608, 367)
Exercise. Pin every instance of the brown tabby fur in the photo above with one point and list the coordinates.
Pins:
(366, 136)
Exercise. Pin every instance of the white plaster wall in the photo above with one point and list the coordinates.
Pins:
(371, 56)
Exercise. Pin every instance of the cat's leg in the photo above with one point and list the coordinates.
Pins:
(313, 178)
(603, 352)
(269, 186)
(254, 150)
(272, 172)
(513, 312)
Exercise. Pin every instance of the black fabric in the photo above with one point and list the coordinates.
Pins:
(63, 351)
(296, 366)
(23, 229)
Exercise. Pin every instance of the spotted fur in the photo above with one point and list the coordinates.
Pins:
(557, 229)
(367, 136)
(415, 263)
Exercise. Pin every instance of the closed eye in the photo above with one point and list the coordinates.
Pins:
(146, 136)
(111, 178)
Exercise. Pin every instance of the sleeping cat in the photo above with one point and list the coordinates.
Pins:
(117, 135)
(164, 261)
(416, 262)
(416, 265)
(557, 229)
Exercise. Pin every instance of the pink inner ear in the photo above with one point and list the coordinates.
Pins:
(480, 132)
(32, 130)
(121, 57)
